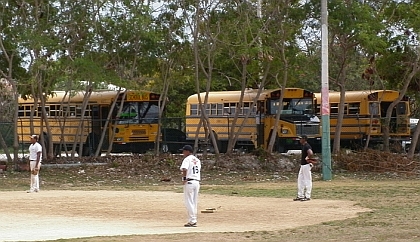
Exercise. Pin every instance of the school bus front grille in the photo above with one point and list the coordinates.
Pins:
(307, 129)
(138, 132)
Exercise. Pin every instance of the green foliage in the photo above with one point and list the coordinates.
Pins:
(139, 45)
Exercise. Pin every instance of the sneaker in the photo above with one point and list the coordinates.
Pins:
(30, 191)
(189, 224)
(298, 198)
(305, 199)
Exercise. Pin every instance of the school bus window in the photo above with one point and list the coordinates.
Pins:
(254, 109)
(334, 108)
(245, 108)
(354, 108)
(129, 113)
(229, 108)
(208, 109)
(72, 110)
(87, 112)
(39, 113)
(29, 110)
(194, 109)
(213, 109)
(401, 108)
(149, 112)
(219, 109)
(78, 111)
(374, 108)
(346, 109)
(301, 106)
(21, 111)
(199, 109)
(226, 109)
(318, 109)
(53, 109)
(64, 111)
(274, 107)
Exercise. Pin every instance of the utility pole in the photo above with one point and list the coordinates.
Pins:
(259, 15)
(325, 104)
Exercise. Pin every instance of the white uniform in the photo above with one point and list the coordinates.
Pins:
(191, 188)
(305, 175)
(34, 149)
(305, 181)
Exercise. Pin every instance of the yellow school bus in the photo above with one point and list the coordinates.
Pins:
(364, 115)
(296, 118)
(136, 127)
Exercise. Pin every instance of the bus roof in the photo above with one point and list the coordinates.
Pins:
(99, 96)
(249, 95)
(357, 96)
(229, 96)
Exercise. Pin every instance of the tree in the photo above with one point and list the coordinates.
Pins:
(354, 29)
(398, 66)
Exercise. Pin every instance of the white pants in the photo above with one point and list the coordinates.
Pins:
(191, 189)
(305, 181)
(34, 178)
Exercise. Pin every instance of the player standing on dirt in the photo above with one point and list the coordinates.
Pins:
(305, 176)
(191, 170)
(35, 156)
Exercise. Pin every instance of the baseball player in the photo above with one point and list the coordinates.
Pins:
(35, 157)
(305, 176)
(191, 169)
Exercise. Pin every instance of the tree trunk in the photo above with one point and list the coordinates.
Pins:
(61, 117)
(233, 134)
(414, 141)
(197, 64)
(79, 131)
(47, 124)
(338, 127)
(162, 100)
(414, 71)
(114, 127)
(106, 125)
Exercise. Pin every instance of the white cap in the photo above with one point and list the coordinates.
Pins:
(34, 136)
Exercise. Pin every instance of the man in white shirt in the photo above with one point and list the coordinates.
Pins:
(35, 156)
(191, 170)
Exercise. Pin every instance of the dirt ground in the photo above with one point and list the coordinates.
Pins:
(50, 215)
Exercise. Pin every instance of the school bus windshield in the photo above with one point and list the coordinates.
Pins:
(139, 113)
(292, 106)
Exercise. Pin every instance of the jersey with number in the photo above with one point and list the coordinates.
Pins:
(193, 166)
(33, 151)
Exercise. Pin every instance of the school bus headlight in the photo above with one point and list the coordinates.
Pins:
(120, 139)
(284, 131)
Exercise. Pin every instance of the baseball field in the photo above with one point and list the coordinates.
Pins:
(107, 203)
